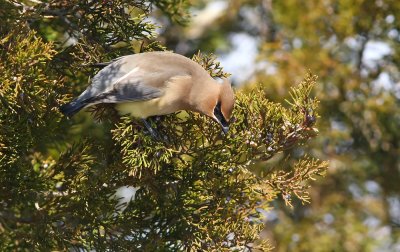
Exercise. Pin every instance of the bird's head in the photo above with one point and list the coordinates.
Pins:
(224, 107)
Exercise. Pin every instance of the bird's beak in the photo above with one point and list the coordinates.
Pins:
(219, 117)
(225, 129)
(224, 125)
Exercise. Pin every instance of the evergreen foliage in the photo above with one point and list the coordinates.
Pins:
(354, 47)
(197, 190)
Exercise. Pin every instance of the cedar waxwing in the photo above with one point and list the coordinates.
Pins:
(157, 83)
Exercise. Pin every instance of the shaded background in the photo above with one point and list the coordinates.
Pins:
(353, 46)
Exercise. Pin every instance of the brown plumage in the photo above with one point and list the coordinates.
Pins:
(157, 83)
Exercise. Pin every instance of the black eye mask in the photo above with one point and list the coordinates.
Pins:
(218, 114)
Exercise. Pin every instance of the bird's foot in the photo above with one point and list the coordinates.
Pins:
(154, 134)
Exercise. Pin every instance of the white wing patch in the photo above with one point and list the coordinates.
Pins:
(136, 69)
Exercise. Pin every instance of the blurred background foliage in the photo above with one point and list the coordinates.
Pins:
(353, 46)
(67, 184)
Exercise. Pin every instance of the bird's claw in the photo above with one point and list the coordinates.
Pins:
(154, 134)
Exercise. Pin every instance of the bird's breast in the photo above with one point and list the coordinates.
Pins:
(142, 109)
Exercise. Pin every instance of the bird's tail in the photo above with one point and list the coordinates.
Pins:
(72, 108)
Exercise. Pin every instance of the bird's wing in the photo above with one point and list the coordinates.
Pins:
(122, 80)
(134, 90)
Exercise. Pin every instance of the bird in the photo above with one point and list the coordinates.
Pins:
(157, 83)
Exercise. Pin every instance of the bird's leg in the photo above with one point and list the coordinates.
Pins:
(152, 131)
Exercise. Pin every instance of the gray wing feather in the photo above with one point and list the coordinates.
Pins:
(131, 92)
(120, 81)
